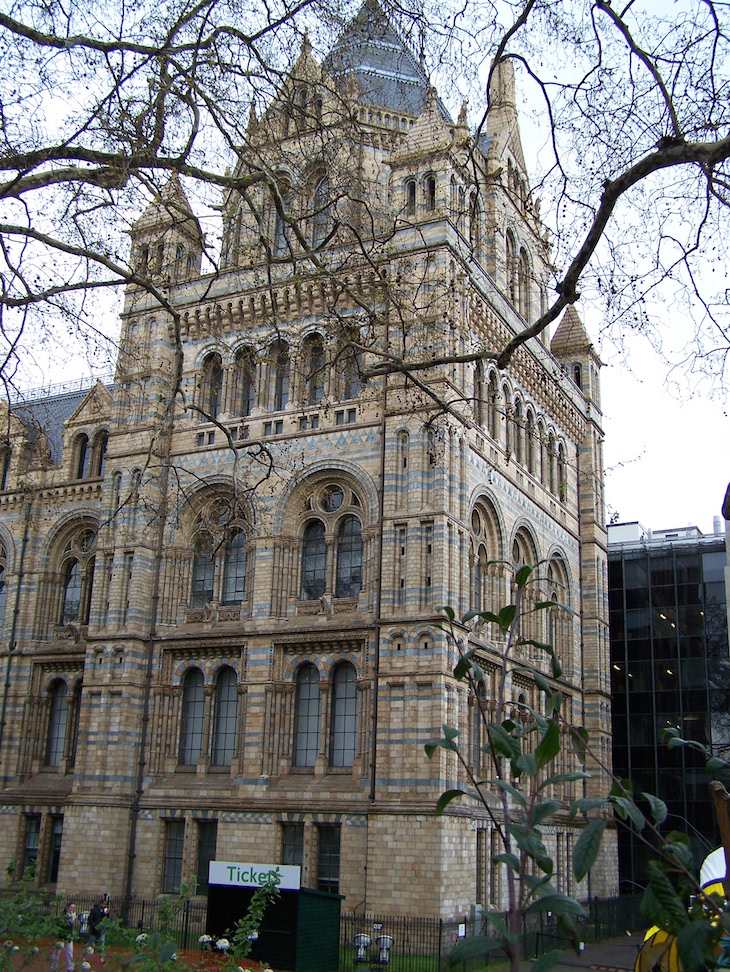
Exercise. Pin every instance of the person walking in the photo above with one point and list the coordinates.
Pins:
(66, 939)
(98, 913)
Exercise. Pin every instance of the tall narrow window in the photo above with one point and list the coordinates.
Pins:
(322, 212)
(314, 377)
(213, 381)
(349, 558)
(75, 713)
(203, 575)
(100, 445)
(479, 411)
(411, 197)
(511, 266)
(523, 285)
(281, 227)
(328, 859)
(292, 844)
(207, 840)
(306, 728)
(172, 868)
(57, 721)
(83, 457)
(245, 397)
(71, 592)
(234, 574)
(475, 223)
(191, 725)
(3, 586)
(32, 842)
(352, 368)
(431, 193)
(54, 858)
(225, 718)
(280, 362)
(343, 728)
(179, 261)
(314, 561)
(4, 471)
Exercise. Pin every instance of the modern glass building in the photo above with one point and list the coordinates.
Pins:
(669, 667)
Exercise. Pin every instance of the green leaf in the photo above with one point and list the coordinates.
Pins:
(542, 683)
(661, 904)
(584, 804)
(447, 610)
(549, 746)
(445, 799)
(658, 808)
(546, 961)
(167, 951)
(511, 860)
(496, 919)
(502, 742)
(556, 667)
(522, 575)
(579, 741)
(559, 904)
(513, 791)
(542, 645)
(554, 702)
(587, 847)
(531, 845)
(674, 742)
(506, 616)
(715, 764)
(473, 947)
(695, 946)
(525, 763)
(449, 732)
(543, 810)
(627, 808)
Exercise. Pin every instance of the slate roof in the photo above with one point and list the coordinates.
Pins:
(386, 72)
(49, 414)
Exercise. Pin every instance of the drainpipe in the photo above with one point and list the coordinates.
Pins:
(16, 612)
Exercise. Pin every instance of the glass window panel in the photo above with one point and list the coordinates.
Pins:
(636, 574)
(174, 841)
(328, 863)
(689, 569)
(55, 855)
(713, 567)
(662, 571)
(71, 592)
(234, 579)
(225, 718)
(32, 842)
(314, 561)
(306, 730)
(637, 597)
(203, 578)
(349, 558)
(57, 720)
(193, 709)
(207, 839)
(292, 844)
(343, 737)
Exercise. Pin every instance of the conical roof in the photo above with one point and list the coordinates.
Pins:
(571, 335)
(386, 72)
(171, 207)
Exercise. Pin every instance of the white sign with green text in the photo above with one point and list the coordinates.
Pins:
(286, 877)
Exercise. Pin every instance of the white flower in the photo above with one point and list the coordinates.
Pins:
(173, 957)
(141, 939)
(85, 966)
(34, 950)
(204, 940)
(8, 944)
(223, 945)
(15, 948)
(89, 950)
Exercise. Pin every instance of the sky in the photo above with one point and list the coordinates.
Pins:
(666, 457)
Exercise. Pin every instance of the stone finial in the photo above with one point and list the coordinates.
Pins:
(461, 122)
(252, 119)
(306, 44)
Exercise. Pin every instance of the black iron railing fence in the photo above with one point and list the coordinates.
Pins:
(410, 944)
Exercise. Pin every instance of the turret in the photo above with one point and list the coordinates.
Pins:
(167, 242)
(573, 349)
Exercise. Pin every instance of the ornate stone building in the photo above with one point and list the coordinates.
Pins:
(218, 635)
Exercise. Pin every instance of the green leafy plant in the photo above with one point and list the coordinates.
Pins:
(524, 744)
(246, 929)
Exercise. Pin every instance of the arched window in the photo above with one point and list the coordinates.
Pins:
(203, 575)
(530, 445)
(71, 592)
(83, 457)
(225, 718)
(453, 202)
(511, 266)
(245, 391)
(306, 716)
(280, 366)
(462, 209)
(479, 410)
(349, 365)
(562, 473)
(411, 197)
(100, 445)
(477, 586)
(144, 258)
(475, 223)
(551, 462)
(192, 267)
(349, 558)
(314, 369)
(57, 722)
(493, 423)
(179, 261)
(213, 385)
(343, 726)
(116, 491)
(523, 283)
(281, 227)
(519, 433)
(234, 573)
(192, 717)
(577, 376)
(430, 193)
(314, 561)
(322, 212)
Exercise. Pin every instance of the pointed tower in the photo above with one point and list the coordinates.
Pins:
(167, 242)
